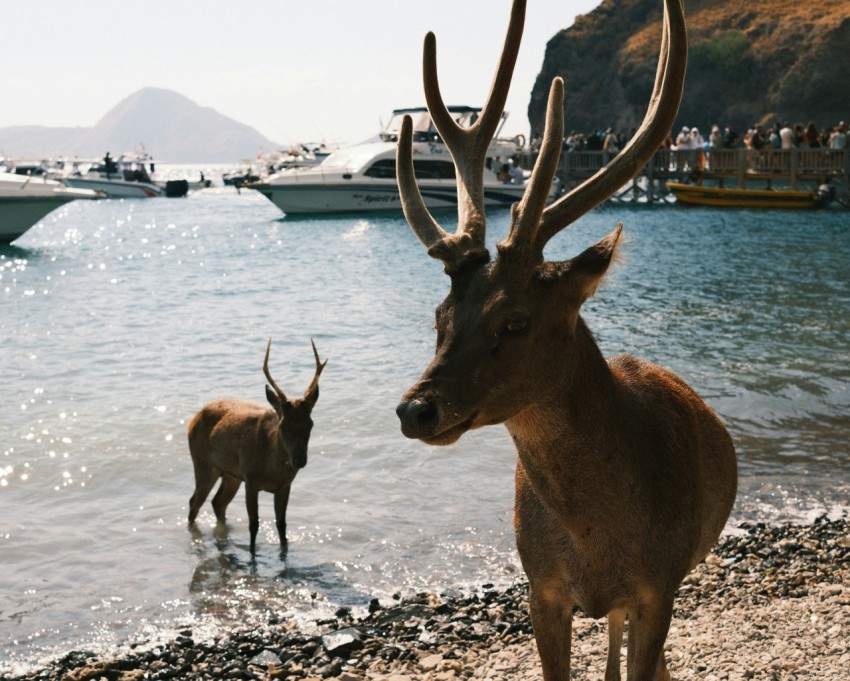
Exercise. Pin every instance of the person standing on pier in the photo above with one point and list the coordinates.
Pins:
(838, 138)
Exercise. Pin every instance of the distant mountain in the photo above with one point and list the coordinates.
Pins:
(748, 62)
(172, 127)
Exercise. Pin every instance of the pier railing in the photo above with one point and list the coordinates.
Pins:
(791, 168)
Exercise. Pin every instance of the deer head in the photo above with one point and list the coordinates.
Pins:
(509, 329)
(294, 424)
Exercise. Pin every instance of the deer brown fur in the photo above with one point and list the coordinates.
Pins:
(625, 477)
(238, 440)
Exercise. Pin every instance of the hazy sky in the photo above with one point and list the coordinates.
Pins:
(297, 70)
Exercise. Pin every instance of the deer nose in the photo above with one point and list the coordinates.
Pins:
(298, 458)
(418, 417)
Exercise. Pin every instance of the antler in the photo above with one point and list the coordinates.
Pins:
(269, 378)
(468, 147)
(314, 384)
(311, 393)
(532, 223)
(526, 215)
(659, 118)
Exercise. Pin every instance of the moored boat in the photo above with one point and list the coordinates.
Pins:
(25, 200)
(126, 178)
(362, 178)
(727, 197)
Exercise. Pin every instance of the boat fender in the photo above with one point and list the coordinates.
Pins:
(519, 140)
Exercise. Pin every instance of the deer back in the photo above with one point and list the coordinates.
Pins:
(243, 441)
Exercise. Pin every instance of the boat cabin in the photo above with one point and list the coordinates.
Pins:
(126, 168)
(363, 159)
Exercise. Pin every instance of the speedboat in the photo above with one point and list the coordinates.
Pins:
(733, 197)
(363, 177)
(126, 178)
(26, 200)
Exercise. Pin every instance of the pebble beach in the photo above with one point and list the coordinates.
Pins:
(770, 602)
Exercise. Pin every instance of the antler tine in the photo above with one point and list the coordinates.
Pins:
(468, 147)
(319, 367)
(269, 378)
(485, 127)
(659, 118)
(525, 218)
(417, 214)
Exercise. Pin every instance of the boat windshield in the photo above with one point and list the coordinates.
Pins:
(423, 127)
(352, 159)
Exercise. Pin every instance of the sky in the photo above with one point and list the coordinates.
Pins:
(296, 70)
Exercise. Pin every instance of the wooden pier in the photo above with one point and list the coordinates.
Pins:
(741, 168)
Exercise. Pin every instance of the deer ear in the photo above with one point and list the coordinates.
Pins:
(274, 400)
(586, 271)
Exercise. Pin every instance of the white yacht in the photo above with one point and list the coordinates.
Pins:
(26, 200)
(363, 177)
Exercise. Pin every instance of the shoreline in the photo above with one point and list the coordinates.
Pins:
(770, 603)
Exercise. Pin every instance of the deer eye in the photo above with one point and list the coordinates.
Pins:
(515, 326)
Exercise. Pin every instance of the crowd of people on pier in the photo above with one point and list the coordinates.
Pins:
(777, 136)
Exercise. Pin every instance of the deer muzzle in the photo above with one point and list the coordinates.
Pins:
(298, 456)
(419, 417)
(426, 418)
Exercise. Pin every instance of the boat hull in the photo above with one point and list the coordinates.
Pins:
(722, 197)
(305, 199)
(18, 214)
(24, 201)
(116, 189)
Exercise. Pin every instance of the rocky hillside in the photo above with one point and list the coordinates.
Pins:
(172, 127)
(752, 61)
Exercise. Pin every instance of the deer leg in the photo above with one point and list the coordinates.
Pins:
(281, 501)
(251, 499)
(226, 491)
(648, 626)
(551, 609)
(204, 482)
(615, 643)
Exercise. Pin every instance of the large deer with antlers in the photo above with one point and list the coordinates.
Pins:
(238, 440)
(624, 477)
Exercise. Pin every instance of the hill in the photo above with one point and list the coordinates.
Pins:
(172, 127)
(748, 62)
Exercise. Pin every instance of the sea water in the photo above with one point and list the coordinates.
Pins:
(119, 319)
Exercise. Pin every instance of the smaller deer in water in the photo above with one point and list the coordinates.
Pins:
(238, 440)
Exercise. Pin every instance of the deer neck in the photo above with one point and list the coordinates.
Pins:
(271, 425)
(563, 435)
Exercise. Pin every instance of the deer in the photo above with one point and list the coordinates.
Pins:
(243, 441)
(625, 477)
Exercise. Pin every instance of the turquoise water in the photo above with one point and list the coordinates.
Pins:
(120, 319)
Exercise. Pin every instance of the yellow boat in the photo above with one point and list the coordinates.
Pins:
(722, 197)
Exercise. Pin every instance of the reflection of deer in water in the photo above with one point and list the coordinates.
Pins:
(625, 477)
(238, 440)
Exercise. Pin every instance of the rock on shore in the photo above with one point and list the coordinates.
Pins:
(771, 603)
